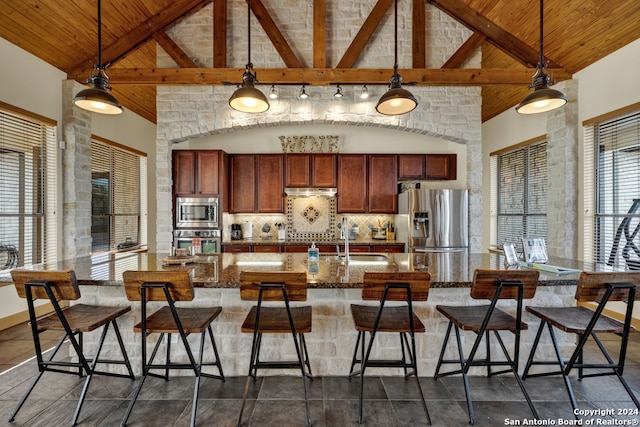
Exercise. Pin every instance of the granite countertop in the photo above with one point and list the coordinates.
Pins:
(275, 241)
(448, 270)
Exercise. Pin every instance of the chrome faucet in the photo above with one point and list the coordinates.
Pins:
(345, 230)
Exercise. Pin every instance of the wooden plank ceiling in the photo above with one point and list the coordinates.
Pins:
(577, 33)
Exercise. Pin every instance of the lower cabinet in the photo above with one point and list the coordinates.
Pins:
(267, 248)
(353, 248)
(237, 248)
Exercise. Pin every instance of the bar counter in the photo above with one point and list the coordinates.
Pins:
(331, 292)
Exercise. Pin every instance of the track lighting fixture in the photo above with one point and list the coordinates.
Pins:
(273, 92)
(364, 93)
(338, 93)
(303, 92)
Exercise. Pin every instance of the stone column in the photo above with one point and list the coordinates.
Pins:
(562, 171)
(76, 176)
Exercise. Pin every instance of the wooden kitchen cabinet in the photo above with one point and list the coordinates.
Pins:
(237, 248)
(267, 248)
(352, 183)
(295, 248)
(388, 248)
(242, 183)
(310, 170)
(383, 184)
(427, 166)
(197, 172)
(440, 166)
(269, 183)
(256, 183)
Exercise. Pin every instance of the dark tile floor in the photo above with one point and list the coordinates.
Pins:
(278, 400)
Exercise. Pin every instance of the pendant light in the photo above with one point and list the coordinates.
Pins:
(248, 98)
(396, 100)
(543, 98)
(97, 99)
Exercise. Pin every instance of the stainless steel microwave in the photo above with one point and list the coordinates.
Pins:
(197, 212)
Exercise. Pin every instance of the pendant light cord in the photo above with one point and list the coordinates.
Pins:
(395, 60)
(541, 33)
(249, 64)
(99, 37)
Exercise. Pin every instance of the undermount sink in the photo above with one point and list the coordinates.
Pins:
(367, 258)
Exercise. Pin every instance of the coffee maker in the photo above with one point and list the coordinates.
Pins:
(236, 231)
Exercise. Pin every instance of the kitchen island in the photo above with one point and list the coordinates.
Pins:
(331, 292)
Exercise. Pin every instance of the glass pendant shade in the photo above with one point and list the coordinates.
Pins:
(396, 100)
(247, 98)
(97, 99)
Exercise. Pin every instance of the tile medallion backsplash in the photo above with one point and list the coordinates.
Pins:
(311, 218)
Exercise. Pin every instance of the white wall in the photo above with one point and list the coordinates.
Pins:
(33, 85)
(607, 85)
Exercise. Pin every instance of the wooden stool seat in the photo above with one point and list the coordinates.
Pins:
(402, 289)
(492, 285)
(82, 318)
(600, 288)
(74, 321)
(274, 320)
(470, 318)
(194, 320)
(393, 319)
(575, 320)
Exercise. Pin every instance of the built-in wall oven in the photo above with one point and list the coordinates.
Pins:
(202, 241)
(197, 212)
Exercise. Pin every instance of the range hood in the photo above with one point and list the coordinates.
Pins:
(311, 192)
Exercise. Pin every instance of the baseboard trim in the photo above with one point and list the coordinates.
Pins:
(23, 316)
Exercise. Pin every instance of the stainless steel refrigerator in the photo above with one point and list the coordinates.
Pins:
(433, 220)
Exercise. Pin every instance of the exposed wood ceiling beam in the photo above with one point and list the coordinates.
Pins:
(325, 76)
(418, 43)
(364, 34)
(174, 51)
(167, 18)
(499, 37)
(319, 33)
(279, 42)
(467, 48)
(220, 33)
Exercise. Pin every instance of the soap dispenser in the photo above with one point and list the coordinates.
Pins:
(313, 258)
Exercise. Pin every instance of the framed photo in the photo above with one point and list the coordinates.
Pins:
(535, 250)
(510, 255)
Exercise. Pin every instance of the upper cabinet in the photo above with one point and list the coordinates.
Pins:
(427, 166)
(352, 183)
(310, 170)
(198, 172)
(383, 184)
(256, 183)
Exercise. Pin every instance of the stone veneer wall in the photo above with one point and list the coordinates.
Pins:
(562, 171)
(188, 112)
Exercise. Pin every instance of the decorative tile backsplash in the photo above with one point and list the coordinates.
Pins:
(307, 219)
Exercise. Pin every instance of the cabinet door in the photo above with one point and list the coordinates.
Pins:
(383, 183)
(352, 183)
(295, 248)
(207, 173)
(267, 248)
(297, 170)
(184, 164)
(270, 180)
(242, 183)
(236, 248)
(410, 166)
(388, 248)
(440, 166)
(323, 170)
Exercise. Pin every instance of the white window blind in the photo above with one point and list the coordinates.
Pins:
(617, 188)
(521, 194)
(28, 190)
(118, 207)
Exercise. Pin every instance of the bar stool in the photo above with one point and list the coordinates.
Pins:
(276, 287)
(492, 285)
(406, 287)
(74, 321)
(170, 287)
(584, 322)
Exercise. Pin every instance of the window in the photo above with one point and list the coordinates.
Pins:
(519, 193)
(28, 190)
(615, 147)
(118, 202)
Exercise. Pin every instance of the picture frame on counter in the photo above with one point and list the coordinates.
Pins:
(535, 250)
(510, 255)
